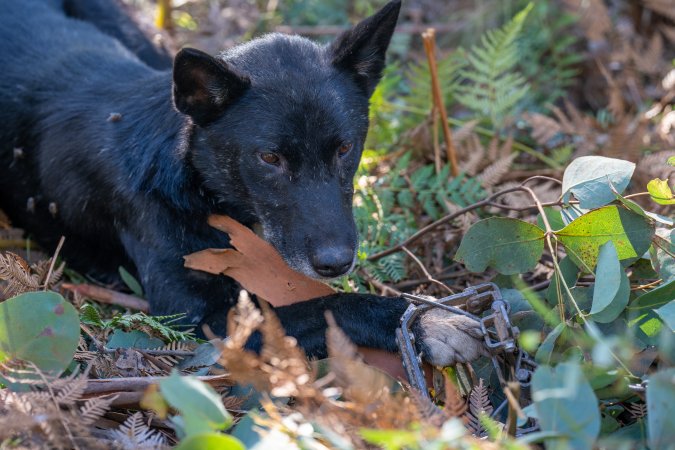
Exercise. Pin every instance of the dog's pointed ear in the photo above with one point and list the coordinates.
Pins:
(361, 49)
(203, 86)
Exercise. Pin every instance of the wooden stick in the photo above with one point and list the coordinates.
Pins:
(108, 296)
(134, 384)
(429, 38)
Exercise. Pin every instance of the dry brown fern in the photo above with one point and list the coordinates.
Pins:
(281, 368)
(637, 410)
(16, 272)
(21, 277)
(134, 434)
(53, 413)
(479, 403)
(665, 8)
(593, 16)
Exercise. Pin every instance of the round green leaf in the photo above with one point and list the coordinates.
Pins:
(667, 314)
(40, 327)
(511, 246)
(662, 261)
(594, 179)
(200, 405)
(612, 288)
(660, 400)
(566, 404)
(660, 192)
(210, 441)
(630, 233)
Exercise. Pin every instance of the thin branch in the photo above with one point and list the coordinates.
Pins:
(53, 263)
(426, 272)
(384, 289)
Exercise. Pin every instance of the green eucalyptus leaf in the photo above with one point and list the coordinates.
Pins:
(131, 282)
(40, 327)
(569, 272)
(511, 246)
(201, 407)
(554, 216)
(660, 192)
(582, 238)
(545, 350)
(566, 404)
(661, 254)
(667, 314)
(594, 179)
(133, 339)
(612, 288)
(653, 299)
(210, 441)
(660, 401)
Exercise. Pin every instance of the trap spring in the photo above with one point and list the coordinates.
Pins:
(501, 338)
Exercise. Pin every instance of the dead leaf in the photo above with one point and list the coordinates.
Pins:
(257, 266)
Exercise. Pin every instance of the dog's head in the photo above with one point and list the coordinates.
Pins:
(279, 127)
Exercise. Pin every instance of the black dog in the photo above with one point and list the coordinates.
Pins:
(128, 162)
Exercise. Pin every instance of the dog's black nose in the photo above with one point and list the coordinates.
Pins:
(331, 262)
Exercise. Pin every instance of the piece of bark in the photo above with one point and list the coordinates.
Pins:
(256, 265)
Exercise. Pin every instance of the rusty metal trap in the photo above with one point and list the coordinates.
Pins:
(484, 304)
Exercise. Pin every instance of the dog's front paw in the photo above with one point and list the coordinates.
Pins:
(446, 339)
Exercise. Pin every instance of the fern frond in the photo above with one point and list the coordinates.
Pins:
(637, 410)
(493, 87)
(16, 272)
(479, 403)
(66, 394)
(94, 408)
(135, 434)
(493, 173)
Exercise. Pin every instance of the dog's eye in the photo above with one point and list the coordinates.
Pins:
(270, 158)
(345, 148)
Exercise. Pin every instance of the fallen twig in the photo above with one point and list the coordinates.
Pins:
(108, 296)
(96, 388)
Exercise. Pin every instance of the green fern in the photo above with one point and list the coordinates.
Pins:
(493, 87)
(548, 57)
(419, 94)
(162, 326)
(387, 212)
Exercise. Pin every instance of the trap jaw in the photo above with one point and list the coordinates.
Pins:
(501, 338)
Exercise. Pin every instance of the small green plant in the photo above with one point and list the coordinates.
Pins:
(601, 326)
(493, 86)
(163, 327)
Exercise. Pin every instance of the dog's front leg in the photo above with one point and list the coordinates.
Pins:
(173, 289)
(371, 321)
(368, 320)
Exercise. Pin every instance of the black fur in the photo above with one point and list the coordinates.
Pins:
(136, 159)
